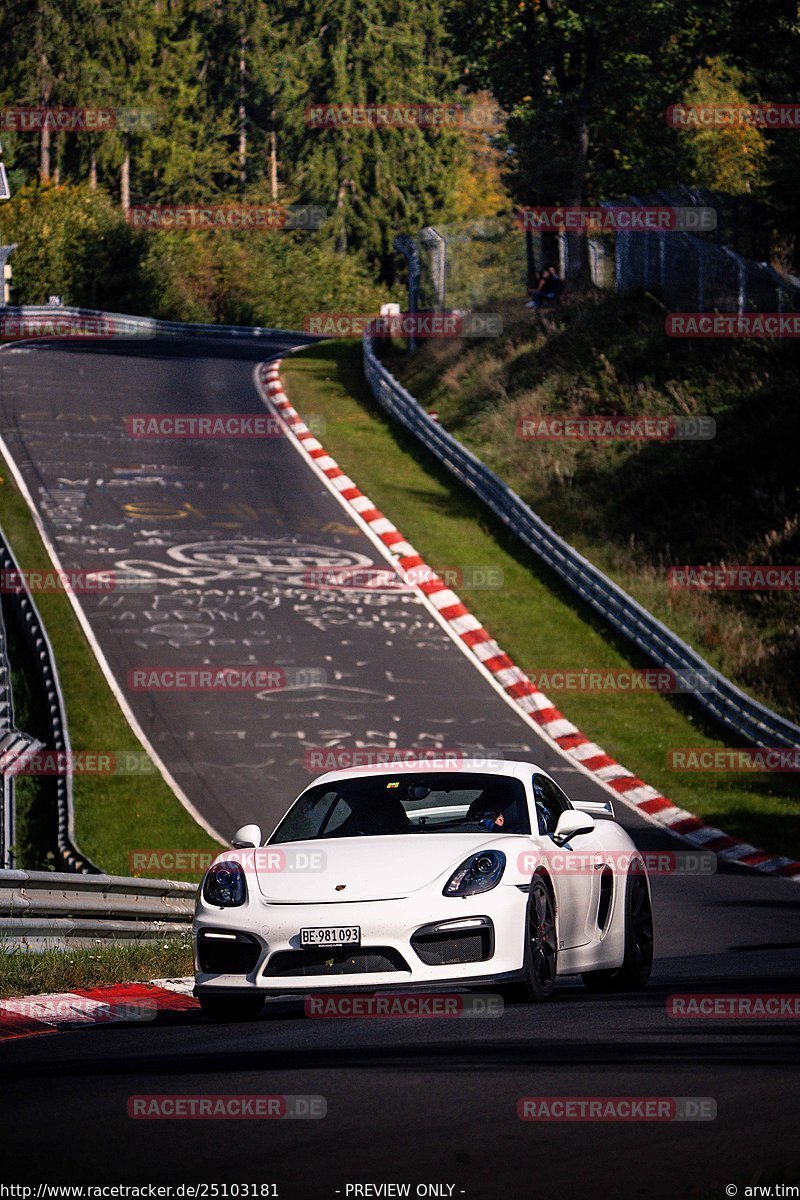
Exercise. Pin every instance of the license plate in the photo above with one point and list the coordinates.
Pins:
(335, 935)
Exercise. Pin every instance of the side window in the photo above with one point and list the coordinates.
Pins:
(550, 803)
(559, 795)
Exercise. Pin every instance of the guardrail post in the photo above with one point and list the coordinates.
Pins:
(563, 255)
(781, 292)
(741, 275)
(437, 244)
(5, 273)
(407, 247)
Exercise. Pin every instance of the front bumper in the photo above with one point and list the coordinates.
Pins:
(387, 929)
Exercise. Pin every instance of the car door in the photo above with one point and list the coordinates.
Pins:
(574, 869)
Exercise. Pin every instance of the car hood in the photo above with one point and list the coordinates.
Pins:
(366, 868)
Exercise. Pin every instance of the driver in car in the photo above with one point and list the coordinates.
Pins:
(489, 815)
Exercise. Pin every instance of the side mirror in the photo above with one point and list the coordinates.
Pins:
(247, 838)
(570, 824)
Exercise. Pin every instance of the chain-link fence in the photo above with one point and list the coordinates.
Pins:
(485, 261)
(698, 272)
(473, 266)
(691, 275)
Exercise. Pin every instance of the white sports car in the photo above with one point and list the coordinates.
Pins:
(411, 877)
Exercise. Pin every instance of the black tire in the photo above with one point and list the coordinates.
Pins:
(231, 1008)
(541, 945)
(638, 961)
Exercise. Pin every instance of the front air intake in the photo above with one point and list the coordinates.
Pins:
(443, 945)
(222, 953)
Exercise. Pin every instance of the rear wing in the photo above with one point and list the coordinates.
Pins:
(595, 808)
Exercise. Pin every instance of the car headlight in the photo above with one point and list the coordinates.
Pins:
(480, 873)
(225, 885)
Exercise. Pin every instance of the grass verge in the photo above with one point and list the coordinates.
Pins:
(26, 974)
(534, 618)
(637, 508)
(115, 814)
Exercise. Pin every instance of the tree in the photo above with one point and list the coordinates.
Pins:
(586, 87)
(40, 64)
(375, 182)
(730, 158)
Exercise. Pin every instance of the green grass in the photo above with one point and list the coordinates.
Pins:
(53, 971)
(637, 508)
(115, 814)
(533, 617)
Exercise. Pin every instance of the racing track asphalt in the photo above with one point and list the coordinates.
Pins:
(222, 534)
(409, 1101)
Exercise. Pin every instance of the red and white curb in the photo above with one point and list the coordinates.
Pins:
(28, 1016)
(516, 685)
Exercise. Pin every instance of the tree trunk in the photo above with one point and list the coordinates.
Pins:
(44, 155)
(45, 92)
(125, 181)
(93, 171)
(273, 165)
(577, 270)
(242, 114)
(341, 235)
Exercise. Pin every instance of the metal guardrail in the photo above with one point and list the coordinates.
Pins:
(7, 808)
(754, 722)
(41, 653)
(121, 325)
(40, 909)
(16, 749)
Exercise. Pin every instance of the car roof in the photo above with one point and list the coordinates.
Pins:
(515, 768)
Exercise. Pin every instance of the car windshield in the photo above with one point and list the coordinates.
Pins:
(421, 803)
